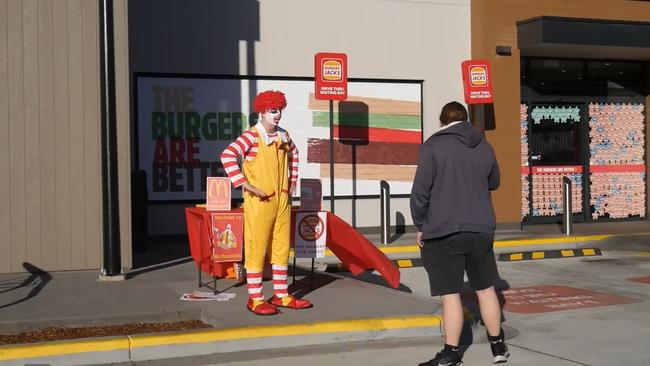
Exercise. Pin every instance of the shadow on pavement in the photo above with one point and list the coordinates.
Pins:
(309, 282)
(36, 278)
(470, 303)
(371, 277)
(153, 267)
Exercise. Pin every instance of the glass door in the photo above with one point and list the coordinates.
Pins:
(555, 138)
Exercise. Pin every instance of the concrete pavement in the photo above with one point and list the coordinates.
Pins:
(347, 310)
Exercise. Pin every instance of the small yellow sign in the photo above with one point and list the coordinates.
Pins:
(217, 193)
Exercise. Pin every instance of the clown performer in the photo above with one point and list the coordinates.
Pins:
(270, 174)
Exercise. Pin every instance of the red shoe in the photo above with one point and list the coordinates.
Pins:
(260, 307)
(290, 302)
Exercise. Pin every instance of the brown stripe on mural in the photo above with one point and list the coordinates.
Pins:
(382, 153)
(397, 173)
(369, 105)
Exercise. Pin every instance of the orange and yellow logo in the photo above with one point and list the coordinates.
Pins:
(478, 76)
(311, 227)
(332, 70)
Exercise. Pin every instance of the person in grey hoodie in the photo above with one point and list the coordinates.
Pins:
(452, 210)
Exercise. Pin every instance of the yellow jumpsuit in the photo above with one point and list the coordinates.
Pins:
(267, 221)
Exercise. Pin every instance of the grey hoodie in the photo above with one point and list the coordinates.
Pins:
(456, 171)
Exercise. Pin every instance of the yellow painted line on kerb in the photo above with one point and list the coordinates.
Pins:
(13, 352)
(543, 241)
(363, 325)
(508, 243)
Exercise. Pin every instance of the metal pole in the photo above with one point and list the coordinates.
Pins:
(311, 281)
(331, 156)
(384, 198)
(110, 199)
(567, 198)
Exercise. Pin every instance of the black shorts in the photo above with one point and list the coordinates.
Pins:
(447, 258)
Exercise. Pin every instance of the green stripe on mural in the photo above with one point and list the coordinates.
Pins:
(322, 119)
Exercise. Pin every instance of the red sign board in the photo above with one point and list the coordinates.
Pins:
(227, 236)
(477, 81)
(544, 299)
(331, 76)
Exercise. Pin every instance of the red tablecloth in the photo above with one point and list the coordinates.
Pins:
(356, 252)
(200, 234)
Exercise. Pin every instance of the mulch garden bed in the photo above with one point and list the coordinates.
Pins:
(61, 333)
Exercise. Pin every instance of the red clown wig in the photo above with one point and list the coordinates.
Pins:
(268, 100)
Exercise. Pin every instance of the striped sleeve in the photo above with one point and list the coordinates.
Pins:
(293, 166)
(235, 150)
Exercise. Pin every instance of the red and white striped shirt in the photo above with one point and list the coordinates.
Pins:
(246, 146)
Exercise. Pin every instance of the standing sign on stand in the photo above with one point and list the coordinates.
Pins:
(331, 81)
(331, 76)
(477, 81)
(311, 235)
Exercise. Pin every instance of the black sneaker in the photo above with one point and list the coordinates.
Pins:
(441, 359)
(499, 351)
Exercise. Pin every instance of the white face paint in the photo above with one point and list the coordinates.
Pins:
(271, 118)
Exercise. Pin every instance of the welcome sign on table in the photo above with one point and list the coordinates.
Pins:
(311, 235)
(227, 236)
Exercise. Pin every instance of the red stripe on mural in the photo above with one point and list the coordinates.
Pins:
(377, 134)
(637, 168)
(384, 153)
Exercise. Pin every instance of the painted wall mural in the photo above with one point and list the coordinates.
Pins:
(183, 124)
(617, 178)
(617, 150)
(525, 184)
(547, 180)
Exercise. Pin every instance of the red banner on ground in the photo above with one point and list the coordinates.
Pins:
(640, 279)
(544, 299)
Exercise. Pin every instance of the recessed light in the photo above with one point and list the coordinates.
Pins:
(563, 70)
(607, 63)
